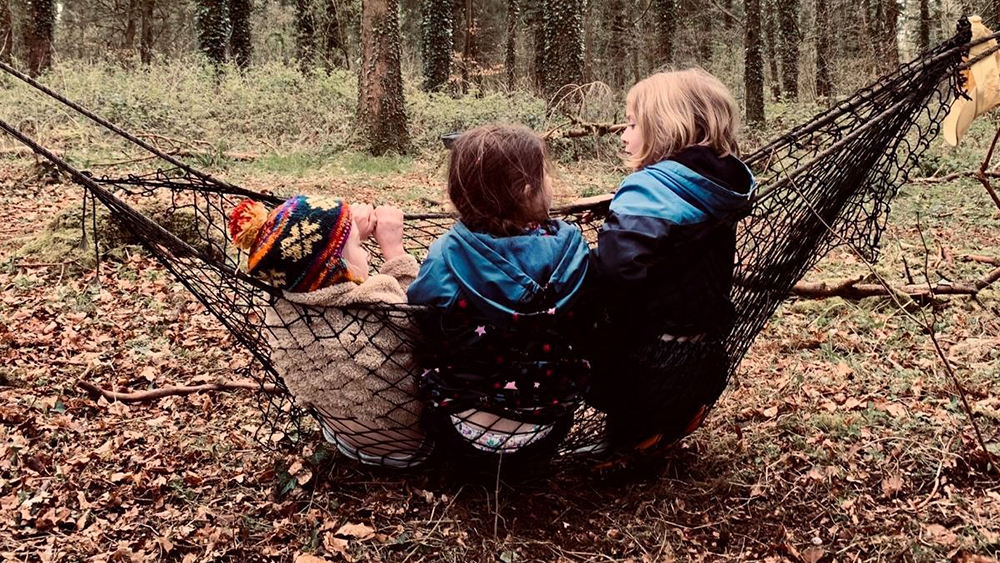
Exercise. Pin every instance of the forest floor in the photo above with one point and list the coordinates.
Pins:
(841, 438)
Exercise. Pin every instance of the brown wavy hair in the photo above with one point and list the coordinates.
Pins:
(496, 179)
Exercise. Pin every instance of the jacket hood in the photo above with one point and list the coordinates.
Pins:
(538, 271)
(689, 197)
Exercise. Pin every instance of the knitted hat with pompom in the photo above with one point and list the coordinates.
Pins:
(298, 246)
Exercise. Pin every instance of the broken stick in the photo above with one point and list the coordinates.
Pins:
(153, 394)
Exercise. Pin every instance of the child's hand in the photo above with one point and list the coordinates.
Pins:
(364, 218)
(389, 231)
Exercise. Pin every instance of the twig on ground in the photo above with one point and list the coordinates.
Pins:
(853, 289)
(953, 176)
(981, 173)
(173, 390)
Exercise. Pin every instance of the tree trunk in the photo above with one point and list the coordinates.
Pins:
(616, 52)
(924, 34)
(510, 56)
(436, 45)
(823, 52)
(728, 21)
(788, 25)
(146, 33)
(240, 45)
(753, 75)
(666, 20)
(132, 13)
(769, 17)
(381, 108)
(6, 32)
(888, 24)
(469, 45)
(705, 36)
(563, 43)
(39, 23)
(213, 29)
(305, 33)
(535, 16)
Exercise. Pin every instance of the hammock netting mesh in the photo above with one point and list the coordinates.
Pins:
(823, 184)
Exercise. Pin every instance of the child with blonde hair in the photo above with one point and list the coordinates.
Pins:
(664, 260)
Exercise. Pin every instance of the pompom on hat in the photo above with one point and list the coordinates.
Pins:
(298, 246)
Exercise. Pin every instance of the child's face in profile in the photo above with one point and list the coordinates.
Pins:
(355, 255)
(631, 136)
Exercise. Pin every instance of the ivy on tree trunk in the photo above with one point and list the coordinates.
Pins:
(510, 56)
(240, 45)
(6, 32)
(436, 44)
(824, 85)
(39, 26)
(213, 29)
(788, 28)
(666, 27)
(381, 108)
(753, 76)
(563, 20)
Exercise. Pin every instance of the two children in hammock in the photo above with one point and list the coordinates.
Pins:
(497, 368)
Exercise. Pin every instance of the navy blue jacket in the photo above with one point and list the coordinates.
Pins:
(664, 260)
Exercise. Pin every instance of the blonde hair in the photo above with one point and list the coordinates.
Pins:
(679, 109)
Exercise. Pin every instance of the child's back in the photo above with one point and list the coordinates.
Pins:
(665, 257)
(499, 371)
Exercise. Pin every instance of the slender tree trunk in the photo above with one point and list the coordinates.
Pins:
(616, 50)
(381, 108)
(753, 75)
(535, 16)
(769, 18)
(146, 31)
(510, 56)
(563, 43)
(436, 44)
(213, 29)
(305, 33)
(728, 21)
(823, 51)
(240, 44)
(924, 34)
(666, 27)
(788, 25)
(469, 45)
(889, 38)
(6, 32)
(705, 36)
(333, 40)
(131, 15)
(39, 23)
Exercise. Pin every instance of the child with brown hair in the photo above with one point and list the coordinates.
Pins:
(350, 369)
(499, 374)
(665, 257)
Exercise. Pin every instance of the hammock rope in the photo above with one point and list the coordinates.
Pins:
(824, 183)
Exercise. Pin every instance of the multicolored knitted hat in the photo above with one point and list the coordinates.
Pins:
(296, 247)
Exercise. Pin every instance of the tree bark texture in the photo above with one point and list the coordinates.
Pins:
(334, 46)
(788, 29)
(616, 52)
(381, 108)
(534, 15)
(563, 43)
(146, 31)
(769, 19)
(510, 54)
(824, 85)
(6, 32)
(887, 35)
(924, 26)
(305, 33)
(240, 45)
(666, 20)
(131, 15)
(213, 29)
(436, 44)
(754, 65)
(39, 25)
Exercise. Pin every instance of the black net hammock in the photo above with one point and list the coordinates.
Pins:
(823, 184)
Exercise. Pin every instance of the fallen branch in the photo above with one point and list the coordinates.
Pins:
(981, 259)
(953, 176)
(153, 394)
(854, 289)
(585, 129)
(981, 174)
